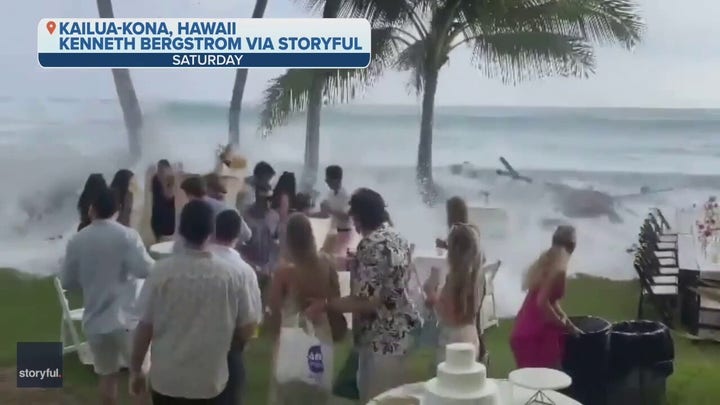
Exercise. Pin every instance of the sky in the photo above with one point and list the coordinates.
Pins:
(676, 66)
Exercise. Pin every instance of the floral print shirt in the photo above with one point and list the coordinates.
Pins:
(382, 270)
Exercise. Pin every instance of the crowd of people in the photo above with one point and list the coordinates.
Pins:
(180, 324)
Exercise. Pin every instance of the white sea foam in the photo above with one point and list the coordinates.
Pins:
(54, 145)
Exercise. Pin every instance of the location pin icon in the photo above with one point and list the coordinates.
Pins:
(51, 26)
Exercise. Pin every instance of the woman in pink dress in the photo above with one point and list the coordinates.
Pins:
(538, 338)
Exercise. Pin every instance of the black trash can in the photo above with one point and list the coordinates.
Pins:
(586, 360)
(641, 360)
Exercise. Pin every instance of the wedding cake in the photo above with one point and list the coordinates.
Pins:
(460, 380)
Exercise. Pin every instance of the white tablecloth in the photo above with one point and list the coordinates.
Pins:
(509, 394)
(685, 219)
(162, 249)
(424, 260)
(692, 258)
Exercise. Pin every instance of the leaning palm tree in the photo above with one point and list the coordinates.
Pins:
(239, 88)
(308, 89)
(132, 114)
(512, 39)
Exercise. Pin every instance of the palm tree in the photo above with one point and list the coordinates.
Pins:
(514, 40)
(300, 89)
(132, 114)
(239, 87)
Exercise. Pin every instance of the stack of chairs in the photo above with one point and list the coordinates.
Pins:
(657, 268)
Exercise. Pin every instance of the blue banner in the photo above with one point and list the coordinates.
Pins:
(204, 60)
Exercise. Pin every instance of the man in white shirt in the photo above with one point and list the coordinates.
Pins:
(104, 261)
(337, 202)
(227, 234)
(195, 308)
(335, 206)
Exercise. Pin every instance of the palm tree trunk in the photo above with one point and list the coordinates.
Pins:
(312, 132)
(132, 114)
(423, 170)
(315, 102)
(239, 88)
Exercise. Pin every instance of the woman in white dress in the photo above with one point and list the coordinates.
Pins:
(457, 304)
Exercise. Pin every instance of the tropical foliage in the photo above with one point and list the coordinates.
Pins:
(513, 40)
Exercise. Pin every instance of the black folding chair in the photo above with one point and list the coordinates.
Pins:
(662, 234)
(655, 274)
(663, 297)
(665, 225)
(662, 267)
(649, 234)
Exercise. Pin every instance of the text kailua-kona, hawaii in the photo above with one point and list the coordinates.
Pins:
(205, 39)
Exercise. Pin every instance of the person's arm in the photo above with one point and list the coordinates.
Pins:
(255, 296)
(558, 309)
(137, 261)
(69, 274)
(246, 320)
(144, 329)
(371, 295)
(284, 209)
(276, 295)
(548, 307)
(245, 231)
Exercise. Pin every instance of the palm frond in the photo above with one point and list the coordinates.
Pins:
(519, 56)
(289, 93)
(286, 94)
(597, 21)
(412, 58)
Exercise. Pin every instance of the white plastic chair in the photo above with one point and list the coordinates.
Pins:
(488, 314)
(67, 327)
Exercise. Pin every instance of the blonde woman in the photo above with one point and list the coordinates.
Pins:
(309, 276)
(538, 337)
(458, 303)
(457, 213)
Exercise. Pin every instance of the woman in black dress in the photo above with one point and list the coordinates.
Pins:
(162, 220)
(121, 187)
(93, 185)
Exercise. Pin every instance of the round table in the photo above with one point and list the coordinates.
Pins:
(162, 249)
(509, 394)
(540, 380)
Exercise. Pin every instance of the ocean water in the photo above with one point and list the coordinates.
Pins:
(48, 147)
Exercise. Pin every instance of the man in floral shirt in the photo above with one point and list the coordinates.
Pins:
(383, 313)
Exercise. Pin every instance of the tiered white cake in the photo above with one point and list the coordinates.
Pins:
(460, 380)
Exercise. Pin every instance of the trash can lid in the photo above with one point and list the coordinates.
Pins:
(591, 324)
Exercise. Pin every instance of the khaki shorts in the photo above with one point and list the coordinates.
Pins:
(111, 351)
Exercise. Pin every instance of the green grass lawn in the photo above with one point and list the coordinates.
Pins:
(29, 312)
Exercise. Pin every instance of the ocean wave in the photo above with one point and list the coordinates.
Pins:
(50, 146)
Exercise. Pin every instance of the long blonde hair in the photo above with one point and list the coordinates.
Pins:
(303, 254)
(464, 261)
(552, 261)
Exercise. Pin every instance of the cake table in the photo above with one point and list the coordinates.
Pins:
(509, 394)
(162, 249)
(540, 380)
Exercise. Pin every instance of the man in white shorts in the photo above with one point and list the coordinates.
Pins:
(106, 261)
